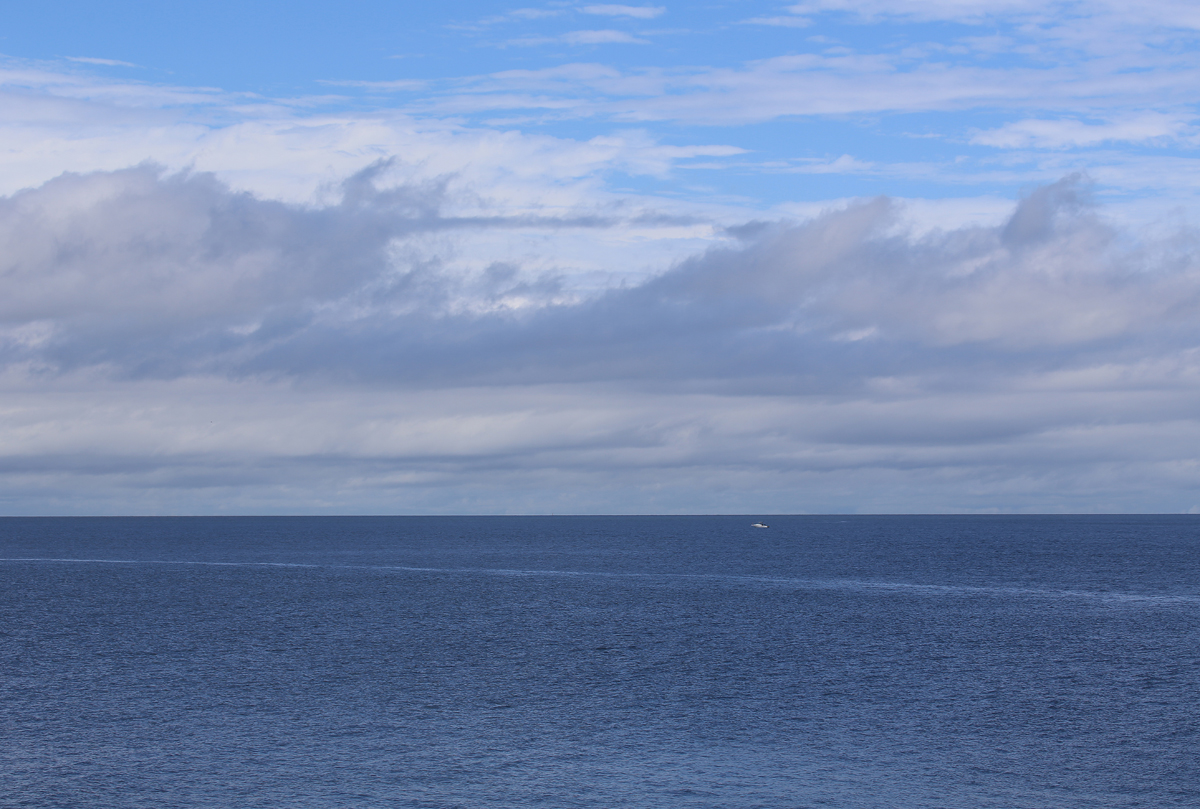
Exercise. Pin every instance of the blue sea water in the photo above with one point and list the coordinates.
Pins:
(949, 662)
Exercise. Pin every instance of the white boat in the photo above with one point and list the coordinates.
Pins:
(759, 525)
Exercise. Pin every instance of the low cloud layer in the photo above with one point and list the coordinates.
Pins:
(169, 344)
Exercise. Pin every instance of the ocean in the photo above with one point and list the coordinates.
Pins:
(848, 662)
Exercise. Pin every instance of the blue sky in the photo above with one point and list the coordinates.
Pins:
(489, 258)
(928, 99)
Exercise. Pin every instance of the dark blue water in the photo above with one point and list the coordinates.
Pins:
(600, 662)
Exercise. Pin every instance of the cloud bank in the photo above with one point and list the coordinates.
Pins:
(170, 342)
(485, 278)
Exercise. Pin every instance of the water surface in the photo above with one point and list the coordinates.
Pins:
(949, 662)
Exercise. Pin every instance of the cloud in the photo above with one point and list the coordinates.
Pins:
(488, 324)
(396, 85)
(166, 338)
(602, 37)
(1070, 133)
(177, 274)
(845, 164)
(813, 84)
(102, 264)
(1088, 61)
(780, 22)
(958, 10)
(1172, 13)
(92, 60)
(638, 12)
(837, 346)
(533, 13)
(60, 119)
(51, 81)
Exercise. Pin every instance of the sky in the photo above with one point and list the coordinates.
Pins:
(571, 258)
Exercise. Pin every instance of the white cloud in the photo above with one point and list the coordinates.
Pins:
(1094, 60)
(845, 164)
(291, 154)
(816, 84)
(51, 82)
(1174, 13)
(1070, 133)
(522, 14)
(602, 37)
(395, 85)
(965, 10)
(92, 60)
(780, 22)
(638, 12)
(533, 13)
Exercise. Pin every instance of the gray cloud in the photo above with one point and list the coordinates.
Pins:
(165, 334)
(169, 275)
